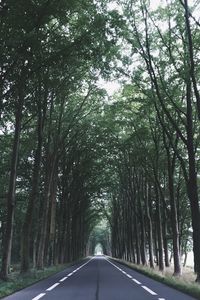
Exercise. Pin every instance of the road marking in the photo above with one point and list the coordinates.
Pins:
(148, 290)
(70, 274)
(52, 287)
(129, 276)
(39, 296)
(136, 281)
(112, 263)
(63, 279)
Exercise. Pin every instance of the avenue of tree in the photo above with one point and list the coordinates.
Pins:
(72, 155)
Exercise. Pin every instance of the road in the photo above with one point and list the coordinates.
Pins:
(98, 279)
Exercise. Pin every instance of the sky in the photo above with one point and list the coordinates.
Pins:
(110, 86)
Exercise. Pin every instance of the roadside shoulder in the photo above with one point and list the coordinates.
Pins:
(19, 281)
(192, 289)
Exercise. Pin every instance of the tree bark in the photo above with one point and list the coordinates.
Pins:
(192, 186)
(27, 226)
(7, 243)
(150, 227)
(191, 57)
(159, 231)
(50, 163)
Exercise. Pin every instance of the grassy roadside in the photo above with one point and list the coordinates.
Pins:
(189, 288)
(18, 281)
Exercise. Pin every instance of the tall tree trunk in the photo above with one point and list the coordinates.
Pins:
(62, 226)
(143, 235)
(50, 163)
(159, 231)
(150, 230)
(191, 59)
(52, 233)
(174, 222)
(165, 241)
(27, 226)
(7, 243)
(138, 253)
(192, 186)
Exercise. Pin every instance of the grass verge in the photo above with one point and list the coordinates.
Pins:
(189, 288)
(18, 281)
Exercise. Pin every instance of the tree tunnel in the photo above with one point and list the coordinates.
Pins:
(99, 241)
(98, 249)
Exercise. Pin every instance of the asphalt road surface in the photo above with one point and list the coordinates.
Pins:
(98, 279)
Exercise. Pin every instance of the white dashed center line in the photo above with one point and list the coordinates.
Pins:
(52, 287)
(148, 290)
(39, 296)
(63, 279)
(136, 281)
(70, 274)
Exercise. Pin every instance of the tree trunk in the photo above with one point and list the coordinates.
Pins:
(191, 60)
(27, 226)
(174, 220)
(159, 231)
(165, 242)
(50, 163)
(52, 234)
(7, 243)
(138, 254)
(150, 230)
(142, 227)
(192, 186)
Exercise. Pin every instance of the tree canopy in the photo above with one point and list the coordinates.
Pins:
(72, 155)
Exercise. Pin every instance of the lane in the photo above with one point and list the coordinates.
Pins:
(115, 284)
(38, 290)
(99, 279)
(159, 290)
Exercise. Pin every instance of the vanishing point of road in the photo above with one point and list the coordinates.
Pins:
(98, 278)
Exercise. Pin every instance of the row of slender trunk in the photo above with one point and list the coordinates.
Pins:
(145, 219)
(175, 120)
(54, 228)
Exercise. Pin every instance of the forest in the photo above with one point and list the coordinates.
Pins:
(72, 154)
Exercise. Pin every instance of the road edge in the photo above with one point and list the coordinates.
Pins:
(15, 285)
(192, 289)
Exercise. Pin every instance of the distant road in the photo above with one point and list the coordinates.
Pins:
(99, 279)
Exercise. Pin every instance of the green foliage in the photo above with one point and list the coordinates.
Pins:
(97, 153)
